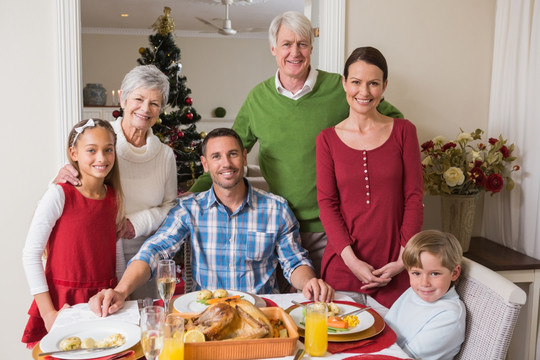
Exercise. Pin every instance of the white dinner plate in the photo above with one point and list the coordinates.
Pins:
(98, 330)
(188, 302)
(365, 319)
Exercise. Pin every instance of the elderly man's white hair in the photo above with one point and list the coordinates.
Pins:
(294, 21)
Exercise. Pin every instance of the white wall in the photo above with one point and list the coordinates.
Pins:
(439, 54)
(439, 62)
(29, 148)
(220, 71)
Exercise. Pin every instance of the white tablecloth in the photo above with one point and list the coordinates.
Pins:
(284, 301)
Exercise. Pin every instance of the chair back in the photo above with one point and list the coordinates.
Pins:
(188, 271)
(493, 304)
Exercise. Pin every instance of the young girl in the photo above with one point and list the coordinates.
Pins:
(429, 318)
(76, 227)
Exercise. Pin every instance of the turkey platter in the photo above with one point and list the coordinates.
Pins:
(231, 319)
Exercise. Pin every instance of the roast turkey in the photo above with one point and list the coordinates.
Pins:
(232, 319)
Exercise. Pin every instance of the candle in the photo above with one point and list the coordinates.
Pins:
(113, 99)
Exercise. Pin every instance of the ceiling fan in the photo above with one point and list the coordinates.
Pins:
(226, 28)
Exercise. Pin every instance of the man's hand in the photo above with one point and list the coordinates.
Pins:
(318, 290)
(68, 174)
(125, 230)
(107, 301)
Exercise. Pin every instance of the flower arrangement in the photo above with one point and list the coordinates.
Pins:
(466, 165)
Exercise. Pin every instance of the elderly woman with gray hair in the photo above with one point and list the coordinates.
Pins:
(147, 166)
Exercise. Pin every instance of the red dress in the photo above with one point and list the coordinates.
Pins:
(371, 200)
(81, 254)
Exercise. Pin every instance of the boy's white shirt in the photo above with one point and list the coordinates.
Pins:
(431, 331)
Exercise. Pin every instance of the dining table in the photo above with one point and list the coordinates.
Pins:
(380, 346)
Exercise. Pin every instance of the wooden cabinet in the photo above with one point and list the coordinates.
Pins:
(99, 112)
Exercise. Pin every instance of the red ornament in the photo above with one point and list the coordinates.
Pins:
(180, 134)
(189, 116)
(188, 101)
(116, 114)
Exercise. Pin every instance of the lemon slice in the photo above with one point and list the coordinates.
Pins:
(194, 336)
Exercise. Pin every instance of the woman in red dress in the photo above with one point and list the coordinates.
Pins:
(369, 187)
(77, 228)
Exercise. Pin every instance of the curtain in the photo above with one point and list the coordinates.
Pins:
(512, 218)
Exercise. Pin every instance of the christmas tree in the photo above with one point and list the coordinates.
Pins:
(176, 126)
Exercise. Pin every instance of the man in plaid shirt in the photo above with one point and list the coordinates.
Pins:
(238, 235)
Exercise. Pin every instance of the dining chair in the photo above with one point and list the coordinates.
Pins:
(493, 304)
(187, 272)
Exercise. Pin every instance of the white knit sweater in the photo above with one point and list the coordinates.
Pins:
(149, 182)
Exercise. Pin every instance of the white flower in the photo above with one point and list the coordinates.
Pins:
(439, 140)
(466, 137)
(475, 155)
(454, 176)
(427, 161)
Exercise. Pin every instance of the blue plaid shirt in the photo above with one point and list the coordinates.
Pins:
(236, 251)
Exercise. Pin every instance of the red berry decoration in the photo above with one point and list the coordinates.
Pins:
(180, 134)
(189, 116)
(116, 114)
(189, 101)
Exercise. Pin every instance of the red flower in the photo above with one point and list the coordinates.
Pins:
(504, 151)
(427, 145)
(516, 167)
(478, 176)
(448, 146)
(493, 141)
(494, 183)
(477, 163)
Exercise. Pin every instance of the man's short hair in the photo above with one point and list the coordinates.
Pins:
(219, 132)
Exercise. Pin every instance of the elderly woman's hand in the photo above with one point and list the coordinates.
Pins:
(125, 230)
(68, 174)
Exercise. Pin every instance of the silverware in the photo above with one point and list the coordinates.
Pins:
(299, 354)
(80, 349)
(357, 311)
(297, 303)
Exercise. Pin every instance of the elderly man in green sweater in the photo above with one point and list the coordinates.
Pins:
(285, 113)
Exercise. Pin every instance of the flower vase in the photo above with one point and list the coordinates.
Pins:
(457, 217)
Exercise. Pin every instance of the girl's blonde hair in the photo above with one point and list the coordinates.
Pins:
(438, 243)
(113, 177)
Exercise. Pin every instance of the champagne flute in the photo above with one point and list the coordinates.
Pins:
(152, 319)
(166, 281)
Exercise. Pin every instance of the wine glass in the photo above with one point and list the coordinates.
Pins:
(166, 281)
(152, 319)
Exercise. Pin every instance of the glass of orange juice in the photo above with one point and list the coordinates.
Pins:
(173, 342)
(316, 332)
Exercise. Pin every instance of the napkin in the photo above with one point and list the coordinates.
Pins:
(269, 303)
(124, 355)
(385, 339)
(81, 312)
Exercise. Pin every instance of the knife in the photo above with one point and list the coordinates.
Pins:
(79, 349)
(299, 354)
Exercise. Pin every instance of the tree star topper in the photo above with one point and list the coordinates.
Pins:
(164, 24)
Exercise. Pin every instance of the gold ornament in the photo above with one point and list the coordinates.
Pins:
(141, 50)
(203, 134)
(164, 23)
(159, 121)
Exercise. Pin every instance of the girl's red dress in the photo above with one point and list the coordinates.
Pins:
(81, 254)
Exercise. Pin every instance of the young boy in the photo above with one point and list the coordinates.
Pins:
(429, 317)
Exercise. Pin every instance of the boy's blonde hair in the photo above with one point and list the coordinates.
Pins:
(438, 243)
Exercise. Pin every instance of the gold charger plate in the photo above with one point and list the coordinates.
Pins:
(375, 329)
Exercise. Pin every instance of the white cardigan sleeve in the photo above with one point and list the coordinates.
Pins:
(48, 211)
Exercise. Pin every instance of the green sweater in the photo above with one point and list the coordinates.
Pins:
(286, 130)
